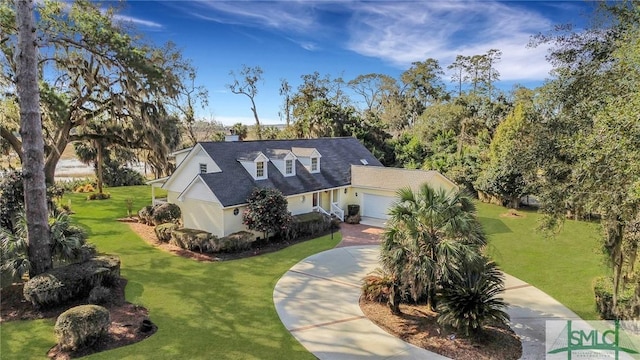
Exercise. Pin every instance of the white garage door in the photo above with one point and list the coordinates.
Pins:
(376, 206)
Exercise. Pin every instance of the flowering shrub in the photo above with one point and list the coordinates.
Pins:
(267, 212)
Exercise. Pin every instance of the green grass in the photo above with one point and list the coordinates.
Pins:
(225, 310)
(563, 266)
(203, 310)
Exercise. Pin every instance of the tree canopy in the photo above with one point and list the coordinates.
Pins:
(97, 80)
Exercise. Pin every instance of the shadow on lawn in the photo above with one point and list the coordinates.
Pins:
(212, 311)
(493, 226)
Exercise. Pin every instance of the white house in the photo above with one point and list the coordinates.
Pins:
(213, 180)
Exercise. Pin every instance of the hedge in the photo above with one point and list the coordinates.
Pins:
(81, 326)
(309, 224)
(164, 231)
(192, 239)
(160, 214)
(627, 308)
(236, 242)
(73, 281)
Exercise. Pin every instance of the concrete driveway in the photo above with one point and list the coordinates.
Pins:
(317, 301)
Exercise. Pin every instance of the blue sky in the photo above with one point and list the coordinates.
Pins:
(288, 39)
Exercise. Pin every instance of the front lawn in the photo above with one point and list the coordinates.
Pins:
(563, 266)
(218, 310)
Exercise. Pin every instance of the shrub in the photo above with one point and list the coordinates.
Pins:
(377, 286)
(267, 212)
(129, 204)
(12, 199)
(73, 281)
(163, 231)
(116, 175)
(67, 244)
(99, 295)
(626, 308)
(309, 224)
(192, 239)
(235, 242)
(74, 185)
(85, 188)
(165, 213)
(469, 298)
(99, 196)
(81, 326)
(144, 215)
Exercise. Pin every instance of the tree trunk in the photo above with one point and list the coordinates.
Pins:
(394, 300)
(99, 160)
(255, 116)
(35, 193)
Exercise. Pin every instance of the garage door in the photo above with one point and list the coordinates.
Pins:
(376, 206)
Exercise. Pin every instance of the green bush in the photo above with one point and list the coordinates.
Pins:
(115, 174)
(192, 239)
(81, 326)
(100, 295)
(165, 213)
(469, 298)
(73, 281)
(144, 214)
(309, 224)
(72, 185)
(99, 196)
(626, 308)
(377, 286)
(67, 244)
(235, 242)
(163, 231)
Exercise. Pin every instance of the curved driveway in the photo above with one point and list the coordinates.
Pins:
(317, 301)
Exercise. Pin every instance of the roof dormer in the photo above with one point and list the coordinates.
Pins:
(284, 160)
(256, 164)
(309, 157)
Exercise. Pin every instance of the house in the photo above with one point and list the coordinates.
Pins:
(213, 180)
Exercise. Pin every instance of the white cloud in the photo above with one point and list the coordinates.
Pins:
(137, 21)
(401, 33)
(281, 15)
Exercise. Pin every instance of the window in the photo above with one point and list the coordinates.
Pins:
(288, 167)
(203, 168)
(314, 164)
(260, 169)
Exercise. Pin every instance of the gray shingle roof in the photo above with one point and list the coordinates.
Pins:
(234, 184)
(277, 153)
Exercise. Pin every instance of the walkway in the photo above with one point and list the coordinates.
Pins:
(317, 301)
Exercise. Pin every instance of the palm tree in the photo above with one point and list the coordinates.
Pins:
(429, 235)
(470, 298)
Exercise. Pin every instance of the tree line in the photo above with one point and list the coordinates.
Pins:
(573, 142)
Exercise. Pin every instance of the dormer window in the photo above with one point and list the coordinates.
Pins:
(203, 168)
(260, 170)
(256, 164)
(288, 167)
(314, 165)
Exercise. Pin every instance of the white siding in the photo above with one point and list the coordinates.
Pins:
(202, 215)
(189, 169)
(233, 223)
(296, 206)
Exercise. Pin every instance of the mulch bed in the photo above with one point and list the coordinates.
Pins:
(418, 326)
(258, 247)
(126, 319)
